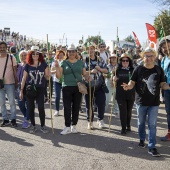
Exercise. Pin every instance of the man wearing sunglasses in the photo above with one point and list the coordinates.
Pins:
(103, 53)
(148, 80)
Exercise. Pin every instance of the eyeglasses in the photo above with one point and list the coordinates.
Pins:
(102, 46)
(148, 56)
(125, 61)
(37, 54)
(71, 51)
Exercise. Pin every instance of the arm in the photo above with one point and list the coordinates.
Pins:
(86, 75)
(59, 72)
(164, 86)
(47, 73)
(128, 86)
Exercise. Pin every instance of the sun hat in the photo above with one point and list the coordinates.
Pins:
(113, 55)
(125, 55)
(72, 48)
(35, 48)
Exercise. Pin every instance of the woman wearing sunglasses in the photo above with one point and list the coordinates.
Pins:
(124, 98)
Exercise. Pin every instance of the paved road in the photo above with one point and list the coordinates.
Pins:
(87, 150)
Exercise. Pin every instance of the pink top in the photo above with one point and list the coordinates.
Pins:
(9, 75)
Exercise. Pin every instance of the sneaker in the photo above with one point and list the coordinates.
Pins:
(117, 116)
(81, 111)
(33, 129)
(123, 132)
(95, 109)
(141, 144)
(66, 131)
(5, 123)
(25, 125)
(13, 123)
(154, 152)
(44, 130)
(100, 123)
(90, 126)
(73, 129)
(166, 138)
(56, 113)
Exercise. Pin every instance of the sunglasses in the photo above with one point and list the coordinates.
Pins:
(37, 54)
(148, 56)
(71, 51)
(102, 46)
(125, 60)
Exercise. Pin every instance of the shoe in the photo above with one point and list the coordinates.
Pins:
(66, 131)
(33, 129)
(117, 116)
(44, 130)
(81, 111)
(5, 123)
(90, 126)
(100, 123)
(141, 144)
(73, 129)
(154, 152)
(56, 113)
(25, 125)
(45, 100)
(166, 138)
(95, 109)
(128, 129)
(13, 123)
(123, 132)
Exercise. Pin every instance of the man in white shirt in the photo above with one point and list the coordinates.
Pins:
(103, 53)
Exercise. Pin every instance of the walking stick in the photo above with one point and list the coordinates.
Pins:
(49, 85)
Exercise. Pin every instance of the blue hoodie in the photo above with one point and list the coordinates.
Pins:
(165, 64)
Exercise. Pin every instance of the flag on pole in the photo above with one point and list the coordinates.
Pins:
(117, 38)
(136, 40)
(49, 46)
(151, 36)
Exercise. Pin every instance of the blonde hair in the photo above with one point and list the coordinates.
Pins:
(20, 54)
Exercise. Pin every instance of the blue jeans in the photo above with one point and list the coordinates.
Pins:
(152, 112)
(167, 106)
(23, 106)
(9, 89)
(57, 88)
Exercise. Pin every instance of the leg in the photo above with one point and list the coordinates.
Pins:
(76, 105)
(167, 106)
(152, 120)
(141, 112)
(130, 104)
(57, 87)
(3, 104)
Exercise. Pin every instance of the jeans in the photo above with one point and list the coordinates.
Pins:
(152, 112)
(57, 88)
(9, 89)
(71, 101)
(167, 106)
(100, 100)
(23, 106)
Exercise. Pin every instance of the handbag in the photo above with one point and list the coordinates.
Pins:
(2, 80)
(31, 91)
(81, 86)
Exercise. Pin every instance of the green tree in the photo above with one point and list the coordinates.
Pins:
(161, 2)
(165, 17)
(130, 39)
(95, 39)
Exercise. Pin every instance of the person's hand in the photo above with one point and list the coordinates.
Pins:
(115, 78)
(125, 86)
(21, 95)
(56, 64)
(94, 71)
(97, 67)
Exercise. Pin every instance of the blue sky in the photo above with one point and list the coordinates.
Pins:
(36, 18)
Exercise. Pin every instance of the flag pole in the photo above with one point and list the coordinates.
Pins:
(165, 37)
(49, 86)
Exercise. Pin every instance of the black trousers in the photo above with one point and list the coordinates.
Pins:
(125, 107)
(40, 102)
(71, 100)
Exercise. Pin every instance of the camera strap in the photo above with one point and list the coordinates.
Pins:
(5, 66)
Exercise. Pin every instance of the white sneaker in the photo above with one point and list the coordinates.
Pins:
(90, 126)
(100, 123)
(66, 131)
(56, 113)
(73, 129)
(117, 116)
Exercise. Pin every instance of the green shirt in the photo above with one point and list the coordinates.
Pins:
(68, 77)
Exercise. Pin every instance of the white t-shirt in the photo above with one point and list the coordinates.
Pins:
(104, 56)
(55, 79)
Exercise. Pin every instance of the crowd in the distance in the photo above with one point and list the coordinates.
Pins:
(114, 81)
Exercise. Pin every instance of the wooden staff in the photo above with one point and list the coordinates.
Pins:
(165, 37)
(49, 85)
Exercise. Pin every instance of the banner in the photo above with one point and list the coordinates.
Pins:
(136, 40)
(151, 36)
